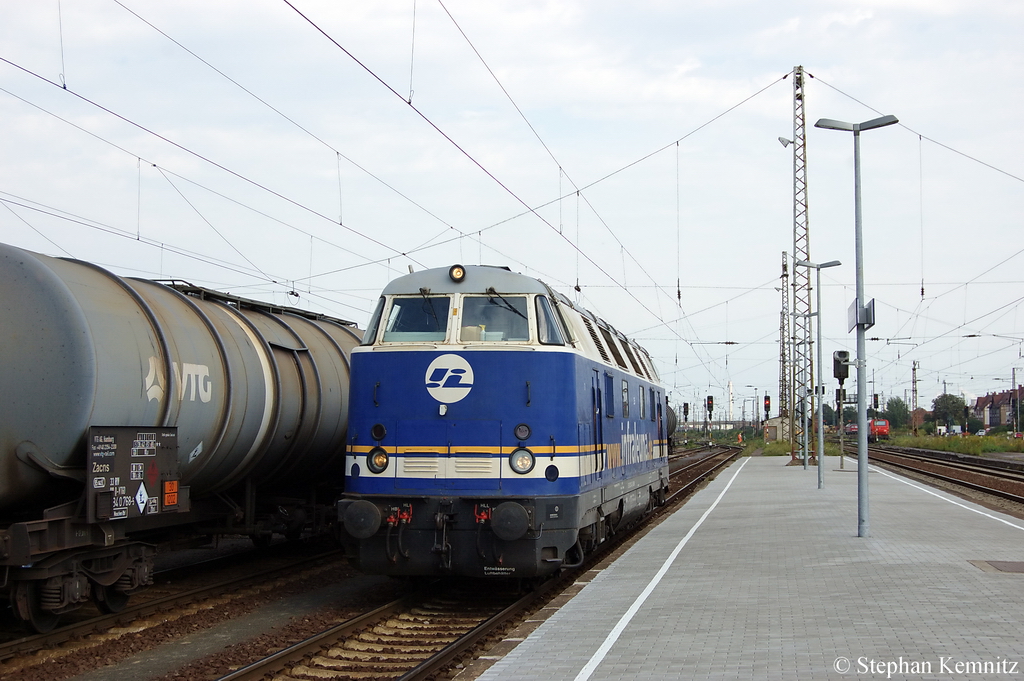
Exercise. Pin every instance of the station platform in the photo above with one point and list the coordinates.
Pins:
(761, 575)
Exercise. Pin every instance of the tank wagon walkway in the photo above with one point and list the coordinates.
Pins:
(762, 576)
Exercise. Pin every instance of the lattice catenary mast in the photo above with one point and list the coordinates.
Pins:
(800, 347)
(785, 369)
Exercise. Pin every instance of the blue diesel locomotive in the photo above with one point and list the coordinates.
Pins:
(495, 429)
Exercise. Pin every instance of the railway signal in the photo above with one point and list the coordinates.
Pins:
(841, 365)
(767, 406)
(710, 403)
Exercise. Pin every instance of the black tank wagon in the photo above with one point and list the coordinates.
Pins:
(133, 411)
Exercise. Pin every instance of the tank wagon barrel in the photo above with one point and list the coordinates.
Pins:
(251, 397)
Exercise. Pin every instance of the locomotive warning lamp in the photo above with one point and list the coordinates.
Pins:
(377, 460)
(457, 273)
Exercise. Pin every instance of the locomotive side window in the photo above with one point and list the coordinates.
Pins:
(420, 319)
(625, 399)
(370, 335)
(495, 318)
(547, 329)
(642, 401)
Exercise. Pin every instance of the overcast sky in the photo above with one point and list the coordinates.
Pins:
(223, 142)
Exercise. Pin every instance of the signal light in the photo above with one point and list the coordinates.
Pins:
(841, 364)
(767, 405)
(711, 403)
(874, 401)
(686, 411)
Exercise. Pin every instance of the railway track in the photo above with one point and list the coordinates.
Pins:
(1003, 479)
(416, 637)
(174, 589)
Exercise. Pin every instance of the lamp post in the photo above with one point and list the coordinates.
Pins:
(756, 416)
(820, 387)
(861, 318)
(1016, 400)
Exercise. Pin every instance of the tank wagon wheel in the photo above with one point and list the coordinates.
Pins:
(26, 600)
(261, 541)
(108, 599)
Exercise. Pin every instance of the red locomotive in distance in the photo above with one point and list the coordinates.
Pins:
(878, 429)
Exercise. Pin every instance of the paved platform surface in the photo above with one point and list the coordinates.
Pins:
(762, 576)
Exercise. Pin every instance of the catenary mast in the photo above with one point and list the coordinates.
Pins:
(800, 347)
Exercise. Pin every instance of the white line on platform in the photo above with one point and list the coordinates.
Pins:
(945, 499)
(613, 636)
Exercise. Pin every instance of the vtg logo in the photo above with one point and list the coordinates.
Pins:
(449, 378)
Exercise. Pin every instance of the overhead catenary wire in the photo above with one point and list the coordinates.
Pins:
(632, 277)
(203, 158)
(469, 156)
(338, 153)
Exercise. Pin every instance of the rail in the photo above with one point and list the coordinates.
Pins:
(309, 652)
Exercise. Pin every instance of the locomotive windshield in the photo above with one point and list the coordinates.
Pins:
(547, 329)
(422, 319)
(495, 318)
(370, 335)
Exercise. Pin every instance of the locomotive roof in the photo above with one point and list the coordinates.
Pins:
(478, 279)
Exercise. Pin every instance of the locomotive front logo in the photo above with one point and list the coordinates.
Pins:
(449, 378)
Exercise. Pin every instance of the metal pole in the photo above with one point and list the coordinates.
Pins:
(1016, 394)
(863, 520)
(841, 404)
(820, 389)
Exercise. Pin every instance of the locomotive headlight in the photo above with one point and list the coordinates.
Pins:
(377, 460)
(457, 273)
(521, 460)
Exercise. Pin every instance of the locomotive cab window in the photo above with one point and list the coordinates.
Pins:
(547, 328)
(495, 318)
(370, 335)
(419, 319)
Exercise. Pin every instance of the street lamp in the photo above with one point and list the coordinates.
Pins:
(820, 388)
(756, 416)
(863, 315)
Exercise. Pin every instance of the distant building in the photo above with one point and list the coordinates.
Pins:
(997, 409)
(917, 417)
(776, 429)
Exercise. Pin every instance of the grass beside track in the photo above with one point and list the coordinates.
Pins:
(970, 444)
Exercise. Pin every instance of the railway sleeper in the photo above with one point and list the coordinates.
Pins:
(368, 671)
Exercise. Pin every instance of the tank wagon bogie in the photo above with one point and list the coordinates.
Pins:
(134, 411)
(495, 429)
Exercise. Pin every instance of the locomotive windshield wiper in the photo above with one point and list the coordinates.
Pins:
(425, 292)
(504, 303)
